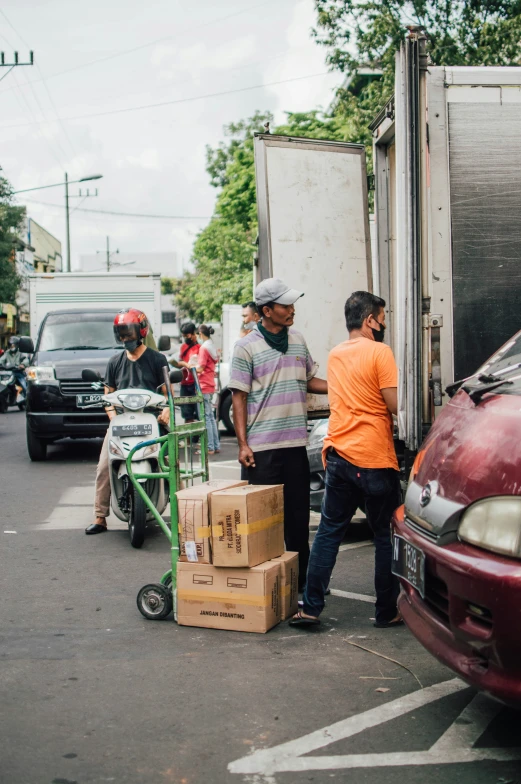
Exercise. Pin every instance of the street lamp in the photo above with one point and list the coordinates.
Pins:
(67, 227)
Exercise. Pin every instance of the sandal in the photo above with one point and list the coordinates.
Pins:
(302, 620)
(398, 621)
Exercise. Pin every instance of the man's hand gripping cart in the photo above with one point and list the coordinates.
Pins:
(157, 600)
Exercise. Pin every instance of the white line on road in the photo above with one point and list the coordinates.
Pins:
(456, 745)
(361, 597)
(354, 545)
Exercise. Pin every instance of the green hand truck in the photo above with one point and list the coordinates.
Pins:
(176, 462)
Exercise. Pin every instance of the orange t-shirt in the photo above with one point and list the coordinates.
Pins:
(360, 424)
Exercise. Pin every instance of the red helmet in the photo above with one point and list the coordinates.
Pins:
(130, 320)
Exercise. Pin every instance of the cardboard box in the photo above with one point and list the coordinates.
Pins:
(246, 600)
(288, 584)
(247, 525)
(193, 505)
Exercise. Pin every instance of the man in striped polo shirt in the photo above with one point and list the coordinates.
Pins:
(272, 371)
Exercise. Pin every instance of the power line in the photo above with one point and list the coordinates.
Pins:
(125, 214)
(176, 101)
(156, 41)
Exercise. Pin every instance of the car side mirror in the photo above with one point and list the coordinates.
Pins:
(175, 376)
(26, 346)
(164, 343)
(90, 375)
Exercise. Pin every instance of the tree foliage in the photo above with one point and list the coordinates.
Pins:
(11, 222)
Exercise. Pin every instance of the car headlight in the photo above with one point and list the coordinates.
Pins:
(134, 402)
(40, 373)
(115, 450)
(494, 524)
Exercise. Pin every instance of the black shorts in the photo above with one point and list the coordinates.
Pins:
(188, 410)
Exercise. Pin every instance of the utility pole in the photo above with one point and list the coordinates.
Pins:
(14, 64)
(67, 225)
(109, 254)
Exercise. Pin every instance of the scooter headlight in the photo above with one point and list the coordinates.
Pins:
(494, 524)
(134, 402)
(40, 373)
(115, 450)
(150, 450)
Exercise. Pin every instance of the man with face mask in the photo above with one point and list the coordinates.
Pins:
(187, 360)
(135, 367)
(359, 457)
(13, 360)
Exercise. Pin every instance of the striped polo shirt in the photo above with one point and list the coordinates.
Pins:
(277, 386)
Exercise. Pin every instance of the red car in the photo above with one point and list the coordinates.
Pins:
(457, 539)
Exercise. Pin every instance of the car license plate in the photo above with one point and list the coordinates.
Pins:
(132, 430)
(409, 564)
(84, 401)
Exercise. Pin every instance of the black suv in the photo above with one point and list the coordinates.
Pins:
(59, 403)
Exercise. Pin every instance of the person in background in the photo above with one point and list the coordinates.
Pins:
(250, 313)
(246, 329)
(359, 458)
(272, 371)
(188, 360)
(206, 362)
(13, 360)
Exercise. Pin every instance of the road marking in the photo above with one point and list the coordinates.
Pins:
(456, 745)
(354, 545)
(361, 597)
(74, 512)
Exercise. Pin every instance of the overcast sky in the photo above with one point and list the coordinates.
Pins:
(152, 160)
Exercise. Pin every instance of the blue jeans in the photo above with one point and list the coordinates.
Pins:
(349, 487)
(20, 378)
(211, 424)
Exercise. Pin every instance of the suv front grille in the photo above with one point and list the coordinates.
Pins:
(73, 388)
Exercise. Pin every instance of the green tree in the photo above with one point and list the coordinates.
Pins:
(369, 32)
(11, 222)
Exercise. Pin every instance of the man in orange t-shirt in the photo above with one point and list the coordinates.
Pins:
(359, 457)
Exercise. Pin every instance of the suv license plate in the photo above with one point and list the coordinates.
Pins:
(84, 401)
(409, 564)
(132, 430)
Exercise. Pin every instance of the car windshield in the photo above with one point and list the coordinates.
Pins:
(505, 364)
(80, 331)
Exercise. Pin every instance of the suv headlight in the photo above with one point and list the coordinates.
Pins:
(494, 524)
(134, 402)
(40, 373)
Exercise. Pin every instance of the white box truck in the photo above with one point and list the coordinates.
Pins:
(72, 317)
(447, 200)
(111, 291)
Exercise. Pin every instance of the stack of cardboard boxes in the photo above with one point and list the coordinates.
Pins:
(233, 572)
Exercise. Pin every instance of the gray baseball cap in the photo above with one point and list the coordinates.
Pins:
(275, 290)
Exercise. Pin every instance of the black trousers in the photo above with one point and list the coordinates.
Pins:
(290, 467)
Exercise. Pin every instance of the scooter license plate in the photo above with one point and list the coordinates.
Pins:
(132, 430)
(409, 564)
(91, 401)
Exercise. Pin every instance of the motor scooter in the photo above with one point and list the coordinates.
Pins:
(11, 392)
(133, 424)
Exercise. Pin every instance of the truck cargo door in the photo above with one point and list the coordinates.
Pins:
(314, 231)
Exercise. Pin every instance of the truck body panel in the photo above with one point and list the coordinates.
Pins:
(84, 290)
(447, 197)
(314, 232)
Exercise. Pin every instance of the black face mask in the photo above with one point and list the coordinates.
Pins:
(131, 345)
(189, 341)
(379, 334)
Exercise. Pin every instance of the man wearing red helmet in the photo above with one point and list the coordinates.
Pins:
(136, 367)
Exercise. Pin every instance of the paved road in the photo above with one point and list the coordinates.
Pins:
(91, 692)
